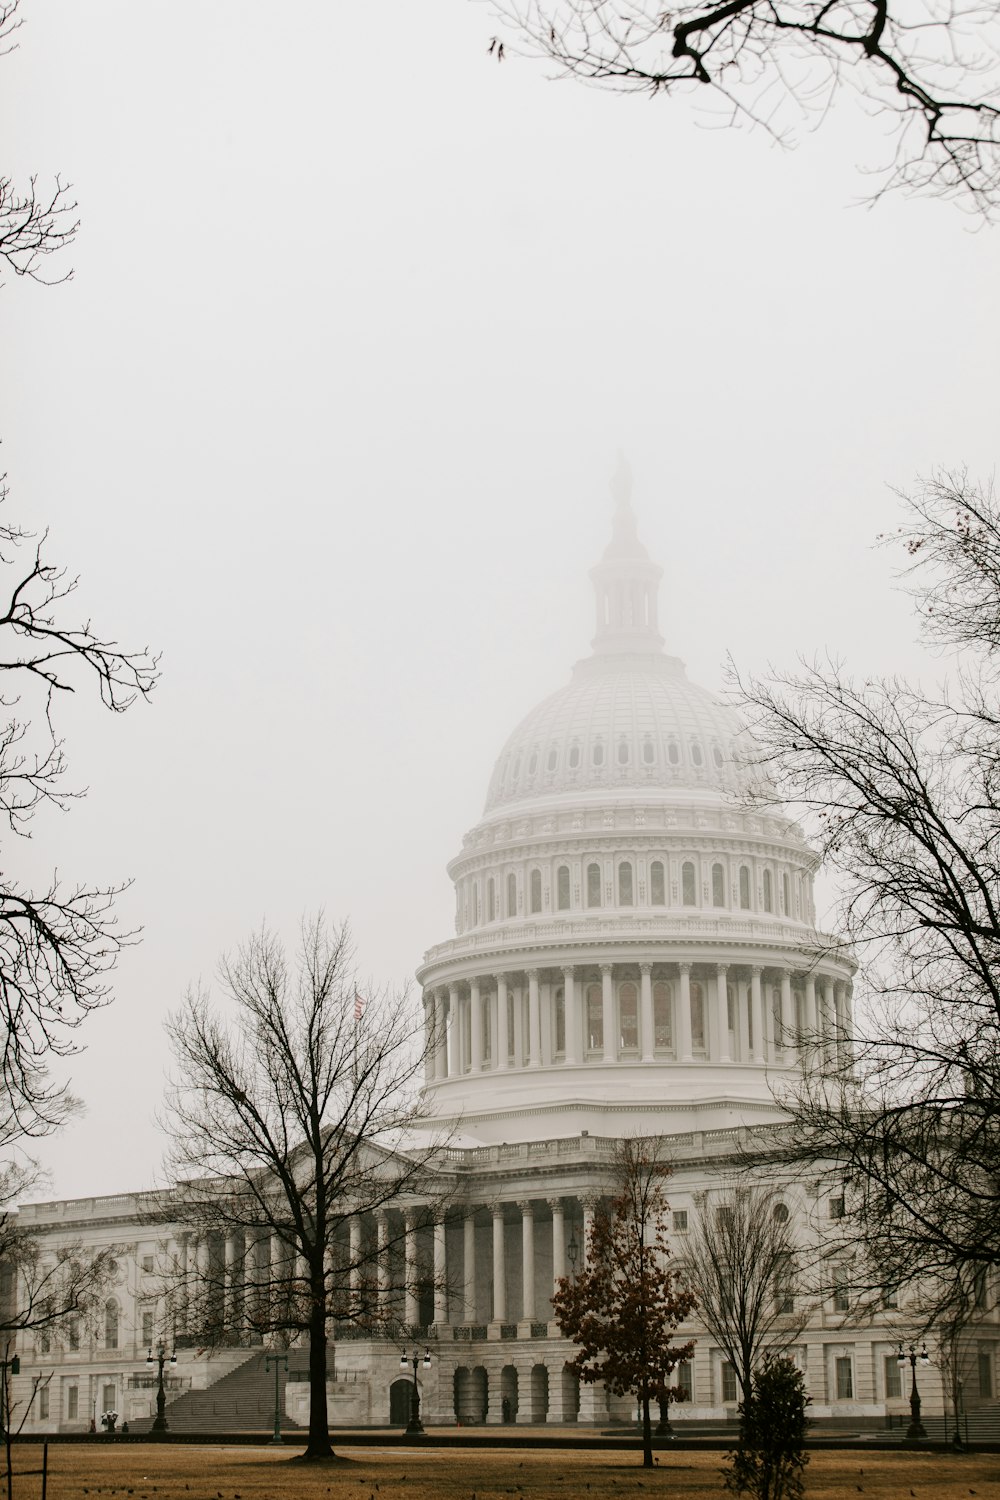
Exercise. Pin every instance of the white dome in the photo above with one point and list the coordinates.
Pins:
(623, 721)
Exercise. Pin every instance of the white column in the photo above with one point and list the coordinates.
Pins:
(722, 1011)
(502, 1057)
(826, 1017)
(440, 1035)
(184, 1268)
(743, 1002)
(476, 1022)
(499, 1267)
(411, 1313)
(382, 1258)
(469, 1267)
(354, 1270)
(454, 1033)
(430, 1055)
(440, 1274)
(545, 1022)
(229, 1282)
(573, 1027)
(608, 1008)
(519, 1053)
(787, 1016)
(534, 1055)
(757, 1011)
(848, 1015)
(811, 1019)
(558, 1241)
(684, 1015)
(527, 1260)
(646, 1011)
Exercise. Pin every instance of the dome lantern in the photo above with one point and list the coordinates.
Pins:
(626, 581)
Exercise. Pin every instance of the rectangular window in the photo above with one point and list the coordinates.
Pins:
(108, 1398)
(147, 1263)
(836, 1208)
(845, 1378)
(985, 1367)
(784, 1297)
(147, 1328)
(979, 1289)
(43, 1404)
(72, 1403)
(841, 1300)
(684, 1379)
(893, 1377)
(680, 1220)
(74, 1333)
(728, 1383)
(890, 1295)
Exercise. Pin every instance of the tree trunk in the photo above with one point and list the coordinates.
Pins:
(318, 1445)
(647, 1431)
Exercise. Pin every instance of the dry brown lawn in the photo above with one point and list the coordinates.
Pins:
(145, 1472)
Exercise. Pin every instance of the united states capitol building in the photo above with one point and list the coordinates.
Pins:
(635, 952)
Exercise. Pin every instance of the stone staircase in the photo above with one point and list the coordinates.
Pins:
(242, 1401)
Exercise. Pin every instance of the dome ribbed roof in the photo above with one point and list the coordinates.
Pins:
(624, 720)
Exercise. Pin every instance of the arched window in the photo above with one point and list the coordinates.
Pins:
(553, 760)
(657, 885)
(718, 886)
(744, 888)
(536, 891)
(512, 895)
(562, 888)
(674, 753)
(111, 1324)
(574, 757)
(696, 755)
(593, 885)
(717, 756)
(595, 1018)
(786, 895)
(533, 763)
(516, 771)
(648, 753)
(780, 1213)
(687, 884)
(628, 1017)
(475, 903)
(768, 893)
(491, 900)
(623, 753)
(597, 754)
(697, 1017)
(625, 897)
(663, 1015)
(559, 1021)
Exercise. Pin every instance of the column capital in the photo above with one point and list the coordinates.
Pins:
(568, 970)
(555, 1205)
(645, 968)
(527, 1207)
(722, 968)
(606, 969)
(532, 974)
(496, 1209)
(410, 1216)
(685, 968)
(756, 970)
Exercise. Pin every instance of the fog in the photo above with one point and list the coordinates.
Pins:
(328, 414)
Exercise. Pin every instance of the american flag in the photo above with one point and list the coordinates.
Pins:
(359, 1006)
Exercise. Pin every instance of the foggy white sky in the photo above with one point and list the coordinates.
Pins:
(328, 415)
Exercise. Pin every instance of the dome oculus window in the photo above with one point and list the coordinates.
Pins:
(574, 757)
(717, 756)
(533, 763)
(674, 753)
(696, 754)
(623, 753)
(553, 760)
(648, 753)
(597, 754)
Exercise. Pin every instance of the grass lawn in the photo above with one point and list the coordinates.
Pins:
(394, 1473)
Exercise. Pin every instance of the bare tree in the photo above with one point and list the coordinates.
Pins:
(745, 1266)
(288, 1123)
(900, 791)
(932, 71)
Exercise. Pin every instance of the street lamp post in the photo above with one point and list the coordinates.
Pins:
(573, 1252)
(277, 1360)
(916, 1429)
(414, 1427)
(160, 1359)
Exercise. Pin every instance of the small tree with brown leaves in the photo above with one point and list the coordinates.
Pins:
(625, 1305)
